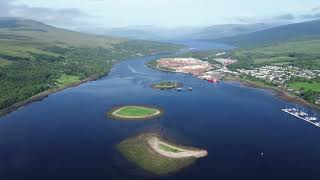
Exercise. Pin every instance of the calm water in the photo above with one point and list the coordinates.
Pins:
(67, 136)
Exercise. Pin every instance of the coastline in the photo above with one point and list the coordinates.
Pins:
(44, 94)
(282, 94)
(157, 68)
(111, 114)
(40, 96)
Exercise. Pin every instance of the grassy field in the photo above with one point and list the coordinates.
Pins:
(305, 86)
(135, 112)
(168, 148)
(4, 62)
(138, 151)
(274, 60)
(65, 80)
(307, 46)
(304, 54)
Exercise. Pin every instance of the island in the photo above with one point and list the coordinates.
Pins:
(167, 85)
(134, 112)
(157, 156)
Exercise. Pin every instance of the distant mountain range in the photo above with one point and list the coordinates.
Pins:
(182, 33)
(147, 32)
(229, 30)
(299, 31)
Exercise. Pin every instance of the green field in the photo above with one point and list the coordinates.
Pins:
(305, 86)
(4, 62)
(274, 60)
(137, 151)
(135, 112)
(168, 148)
(304, 54)
(68, 79)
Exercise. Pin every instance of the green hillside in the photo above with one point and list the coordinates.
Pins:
(35, 57)
(304, 54)
(291, 32)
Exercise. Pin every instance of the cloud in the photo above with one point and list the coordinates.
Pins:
(59, 17)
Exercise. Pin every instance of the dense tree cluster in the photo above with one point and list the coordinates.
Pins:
(26, 77)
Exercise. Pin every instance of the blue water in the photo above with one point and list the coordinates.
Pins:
(67, 135)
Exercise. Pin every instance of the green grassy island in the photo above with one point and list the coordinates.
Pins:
(166, 85)
(153, 154)
(135, 113)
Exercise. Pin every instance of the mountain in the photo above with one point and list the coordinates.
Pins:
(229, 30)
(146, 32)
(37, 59)
(17, 29)
(130, 33)
(291, 32)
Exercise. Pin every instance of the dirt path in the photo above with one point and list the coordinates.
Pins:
(183, 153)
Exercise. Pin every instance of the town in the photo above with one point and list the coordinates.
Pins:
(280, 75)
(217, 68)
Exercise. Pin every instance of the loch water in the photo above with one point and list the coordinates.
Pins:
(67, 136)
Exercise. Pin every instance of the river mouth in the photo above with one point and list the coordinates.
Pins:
(67, 136)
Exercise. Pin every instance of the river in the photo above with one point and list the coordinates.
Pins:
(68, 136)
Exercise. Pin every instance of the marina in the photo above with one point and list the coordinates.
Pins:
(302, 115)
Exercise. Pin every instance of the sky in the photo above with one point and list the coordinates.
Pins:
(161, 13)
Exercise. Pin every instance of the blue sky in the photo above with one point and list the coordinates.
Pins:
(165, 13)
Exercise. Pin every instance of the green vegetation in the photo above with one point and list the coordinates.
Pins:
(299, 31)
(138, 151)
(166, 85)
(4, 62)
(168, 148)
(154, 64)
(35, 57)
(135, 112)
(308, 89)
(68, 79)
(305, 86)
(304, 54)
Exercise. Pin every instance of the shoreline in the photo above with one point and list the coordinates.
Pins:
(154, 142)
(45, 94)
(111, 114)
(282, 94)
(42, 95)
(160, 69)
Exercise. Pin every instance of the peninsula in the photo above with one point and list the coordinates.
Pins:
(153, 154)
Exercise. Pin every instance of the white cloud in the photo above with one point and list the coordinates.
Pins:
(107, 13)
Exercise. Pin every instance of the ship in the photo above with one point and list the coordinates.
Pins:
(214, 80)
(302, 115)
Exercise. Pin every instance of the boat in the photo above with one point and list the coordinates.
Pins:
(179, 89)
(302, 115)
(190, 88)
(214, 80)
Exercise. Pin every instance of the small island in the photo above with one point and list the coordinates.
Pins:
(134, 113)
(153, 154)
(166, 85)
